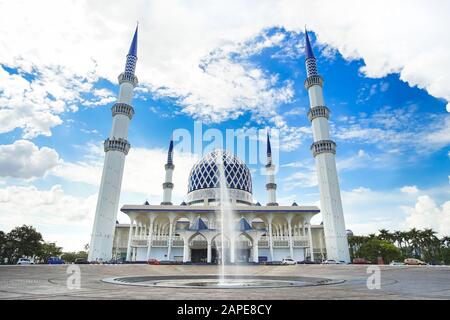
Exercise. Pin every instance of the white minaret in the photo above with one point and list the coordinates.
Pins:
(271, 186)
(116, 148)
(168, 185)
(324, 150)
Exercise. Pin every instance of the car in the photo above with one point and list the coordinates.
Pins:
(360, 261)
(414, 262)
(114, 261)
(307, 262)
(396, 263)
(81, 261)
(55, 260)
(24, 261)
(288, 262)
(153, 261)
(331, 261)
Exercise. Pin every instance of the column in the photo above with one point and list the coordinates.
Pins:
(150, 238)
(186, 250)
(232, 249)
(209, 252)
(291, 245)
(311, 249)
(169, 246)
(130, 235)
(255, 250)
(270, 237)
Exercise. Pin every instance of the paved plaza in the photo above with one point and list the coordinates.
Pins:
(348, 282)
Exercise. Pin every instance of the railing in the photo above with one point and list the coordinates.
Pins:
(278, 242)
(322, 146)
(313, 80)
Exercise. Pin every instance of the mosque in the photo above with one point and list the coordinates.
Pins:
(191, 231)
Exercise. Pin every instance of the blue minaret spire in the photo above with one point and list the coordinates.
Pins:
(269, 150)
(170, 154)
(311, 64)
(130, 66)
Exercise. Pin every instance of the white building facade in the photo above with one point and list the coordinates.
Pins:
(191, 231)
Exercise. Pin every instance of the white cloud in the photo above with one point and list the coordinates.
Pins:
(50, 211)
(34, 101)
(427, 214)
(87, 40)
(304, 177)
(143, 174)
(409, 189)
(396, 128)
(367, 211)
(23, 159)
(360, 160)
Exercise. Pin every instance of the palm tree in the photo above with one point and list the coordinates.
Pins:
(398, 237)
(385, 235)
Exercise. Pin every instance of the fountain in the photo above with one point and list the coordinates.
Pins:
(226, 224)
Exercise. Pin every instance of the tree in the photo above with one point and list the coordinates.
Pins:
(374, 248)
(2, 247)
(22, 241)
(69, 257)
(385, 235)
(47, 250)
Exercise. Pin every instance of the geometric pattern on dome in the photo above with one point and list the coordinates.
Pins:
(205, 173)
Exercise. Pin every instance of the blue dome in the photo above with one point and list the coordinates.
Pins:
(205, 173)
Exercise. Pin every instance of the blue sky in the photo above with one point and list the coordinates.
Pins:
(389, 120)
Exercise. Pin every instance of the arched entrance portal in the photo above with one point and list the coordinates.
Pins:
(217, 248)
(199, 249)
(243, 248)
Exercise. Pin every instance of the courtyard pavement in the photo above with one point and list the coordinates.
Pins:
(397, 282)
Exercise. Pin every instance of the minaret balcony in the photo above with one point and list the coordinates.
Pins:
(318, 111)
(167, 185)
(323, 146)
(271, 186)
(128, 77)
(122, 108)
(169, 166)
(119, 144)
(314, 80)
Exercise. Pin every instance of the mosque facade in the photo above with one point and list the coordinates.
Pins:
(191, 231)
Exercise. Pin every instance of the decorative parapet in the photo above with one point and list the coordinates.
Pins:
(271, 186)
(318, 111)
(168, 185)
(314, 80)
(119, 144)
(323, 146)
(122, 108)
(128, 77)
